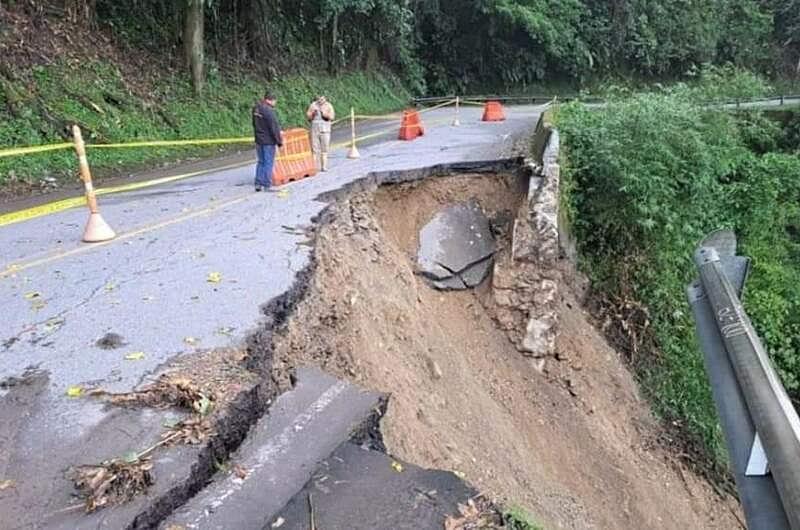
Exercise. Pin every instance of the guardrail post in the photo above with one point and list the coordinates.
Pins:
(97, 229)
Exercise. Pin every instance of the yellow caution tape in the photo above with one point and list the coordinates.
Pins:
(382, 117)
(65, 204)
(38, 211)
(16, 151)
(440, 105)
(172, 143)
(72, 202)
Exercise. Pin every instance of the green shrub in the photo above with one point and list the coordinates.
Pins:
(518, 519)
(647, 177)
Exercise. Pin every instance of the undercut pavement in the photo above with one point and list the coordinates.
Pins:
(200, 273)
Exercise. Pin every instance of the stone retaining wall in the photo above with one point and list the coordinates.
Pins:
(526, 280)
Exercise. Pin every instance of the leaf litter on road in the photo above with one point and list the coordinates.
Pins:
(169, 390)
(7, 484)
(114, 481)
(38, 304)
(135, 356)
(240, 471)
(75, 391)
(214, 277)
(477, 514)
(191, 431)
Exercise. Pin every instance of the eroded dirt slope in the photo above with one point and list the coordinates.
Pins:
(573, 443)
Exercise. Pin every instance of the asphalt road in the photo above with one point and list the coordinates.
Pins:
(150, 285)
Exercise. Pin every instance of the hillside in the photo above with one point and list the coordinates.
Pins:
(165, 70)
(645, 176)
(50, 79)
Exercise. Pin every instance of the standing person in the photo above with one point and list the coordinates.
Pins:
(267, 131)
(320, 113)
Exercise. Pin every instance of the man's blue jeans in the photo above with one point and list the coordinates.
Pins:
(266, 160)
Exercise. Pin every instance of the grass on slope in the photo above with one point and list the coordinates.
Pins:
(647, 177)
(37, 107)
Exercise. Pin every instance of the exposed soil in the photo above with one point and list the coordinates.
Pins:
(572, 442)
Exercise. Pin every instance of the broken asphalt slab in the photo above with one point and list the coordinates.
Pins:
(360, 489)
(151, 286)
(455, 247)
(301, 429)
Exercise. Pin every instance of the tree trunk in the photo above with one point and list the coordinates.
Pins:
(193, 44)
(81, 12)
(334, 59)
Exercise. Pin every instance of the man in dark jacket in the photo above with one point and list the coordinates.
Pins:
(268, 136)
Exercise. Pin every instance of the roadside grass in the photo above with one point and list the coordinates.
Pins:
(96, 96)
(516, 518)
(645, 178)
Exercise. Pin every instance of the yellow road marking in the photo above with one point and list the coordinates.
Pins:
(170, 143)
(65, 204)
(19, 267)
(72, 202)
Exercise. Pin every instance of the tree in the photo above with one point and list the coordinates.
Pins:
(193, 43)
(81, 12)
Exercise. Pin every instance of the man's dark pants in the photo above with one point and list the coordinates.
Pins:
(266, 161)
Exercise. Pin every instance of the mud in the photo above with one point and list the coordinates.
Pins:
(571, 441)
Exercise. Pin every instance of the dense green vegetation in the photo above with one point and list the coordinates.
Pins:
(191, 68)
(446, 45)
(97, 97)
(647, 177)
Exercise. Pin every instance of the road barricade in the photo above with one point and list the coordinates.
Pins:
(295, 160)
(493, 111)
(411, 127)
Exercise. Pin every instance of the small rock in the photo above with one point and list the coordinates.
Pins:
(434, 369)
(111, 341)
(539, 365)
(571, 388)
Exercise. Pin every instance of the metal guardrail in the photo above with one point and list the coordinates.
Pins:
(504, 99)
(765, 102)
(761, 427)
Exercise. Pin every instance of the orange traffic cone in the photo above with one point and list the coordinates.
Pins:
(97, 229)
(493, 111)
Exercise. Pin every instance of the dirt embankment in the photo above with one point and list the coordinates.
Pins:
(573, 443)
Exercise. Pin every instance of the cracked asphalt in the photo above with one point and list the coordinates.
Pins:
(150, 285)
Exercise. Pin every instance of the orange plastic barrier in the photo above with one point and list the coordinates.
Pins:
(295, 160)
(411, 126)
(493, 111)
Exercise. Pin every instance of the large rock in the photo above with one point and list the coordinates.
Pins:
(456, 247)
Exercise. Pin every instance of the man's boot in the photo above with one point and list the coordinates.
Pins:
(324, 161)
